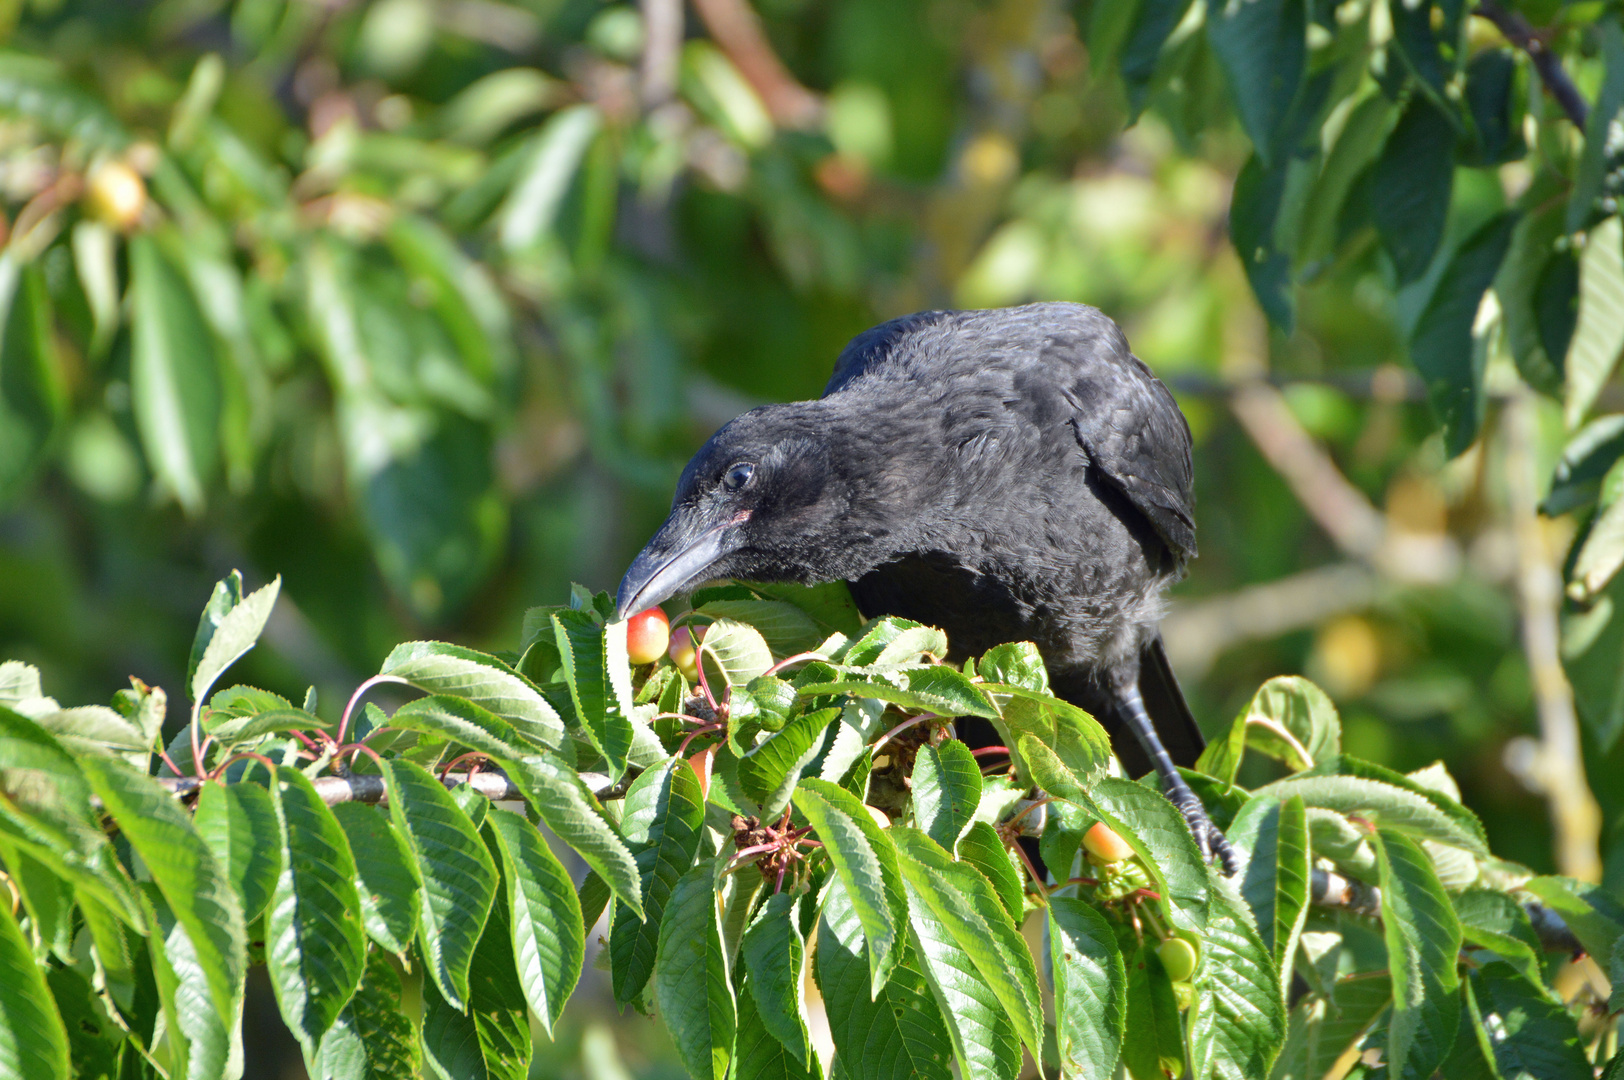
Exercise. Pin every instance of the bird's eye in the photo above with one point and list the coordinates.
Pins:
(738, 475)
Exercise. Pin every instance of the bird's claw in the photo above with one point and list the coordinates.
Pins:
(1215, 847)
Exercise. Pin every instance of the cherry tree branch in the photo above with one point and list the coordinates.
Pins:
(1558, 84)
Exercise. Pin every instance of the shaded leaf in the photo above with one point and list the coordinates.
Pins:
(1238, 1021)
(1423, 938)
(1090, 989)
(385, 881)
(761, 1056)
(549, 940)
(1412, 180)
(238, 823)
(662, 819)
(372, 1039)
(1531, 1036)
(590, 656)
(981, 847)
(775, 956)
(459, 878)
(691, 978)
(865, 860)
(895, 1033)
(1598, 335)
(33, 1042)
(946, 790)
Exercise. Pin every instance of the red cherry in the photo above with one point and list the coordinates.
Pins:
(1105, 845)
(647, 635)
(683, 651)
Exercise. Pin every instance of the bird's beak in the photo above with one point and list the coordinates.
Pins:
(676, 559)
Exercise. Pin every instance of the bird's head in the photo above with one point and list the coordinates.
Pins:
(758, 502)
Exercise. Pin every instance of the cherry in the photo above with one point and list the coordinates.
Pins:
(116, 194)
(683, 651)
(647, 635)
(1105, 845)
(1178, 957)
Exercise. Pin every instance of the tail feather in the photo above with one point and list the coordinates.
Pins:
(1175, 724)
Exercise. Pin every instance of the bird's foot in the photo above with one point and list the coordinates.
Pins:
(1213, 844)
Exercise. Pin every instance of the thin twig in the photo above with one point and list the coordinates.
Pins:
(1517, 30)
(1554, 767)
(662, 40)
(738, 30)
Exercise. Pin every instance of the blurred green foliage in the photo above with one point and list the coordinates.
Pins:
(422, 304)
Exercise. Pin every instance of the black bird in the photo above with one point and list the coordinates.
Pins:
(1005, 475)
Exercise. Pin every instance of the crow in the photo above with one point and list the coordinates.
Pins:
(1012, 474)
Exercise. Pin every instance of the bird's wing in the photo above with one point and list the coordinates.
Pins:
(1126, 421)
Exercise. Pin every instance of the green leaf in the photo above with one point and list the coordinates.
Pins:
(372, 1039)
(227, 595)
(174, 377)
(1399, 804)
(314, 946)
(549, 939)
(33, 1041)
(1238, 1021)
(940, 690)
(33, 397)
(1600, 553)
(1274, 879)
(238, 629)
(775, 956)
(734, 653)
(195, 885)
(830, 606)
(458, 875)
(594, 660)
(1422, 49)
(1090, 990)
(94, 1038)
(572, 813)
(769, 772)
(34, 88)
(490, 1039)
(1322, 1030)
(1075, 737)
(199, 1041)
(1260, 45)
(1357, 145)
(865, 860)
(1493, 920)
(545, 176)
(784, 627)
(1254, 210)
(1424, 939)
(1532, 1037)
(895, 1033)
(963, 902)
(471, 307)
(1018, 664)
(1593, 162)
(438, 668)
(1412, 180)
(1441, 344)
(1153, 22)
(981, 848)
(1292, 704)
(1161, 838)
(385, 881)
(230, 730)
(663, 820)
(761, 1056)
(984, 1039)
(691, 978)
(946, 790)
(1593, 659)
(1156, 1050)
(1538, 290)
(1598, 336)
(238, 823)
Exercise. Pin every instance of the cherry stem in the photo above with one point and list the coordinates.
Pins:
(704, 684)
(1037, 879)
(163, 755)
(682, 748)
(355, 698)
(988, 751)
(1074, 881)
(360, 748)
(240, 756)
(788, 660)
(458, 760)
(1027, 809)
(905, 725)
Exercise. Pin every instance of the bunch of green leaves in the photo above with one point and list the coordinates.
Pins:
(804, 808)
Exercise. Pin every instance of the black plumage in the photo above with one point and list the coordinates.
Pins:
(1006, 475)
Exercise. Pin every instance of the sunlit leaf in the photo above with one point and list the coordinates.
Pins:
(1423, 939)
(33, 1042)
(238, 822)
(549, 940)
(774, 954)
(946, 790)
(691, 983)
(662, 819)
(385, 880)
(1090, 989)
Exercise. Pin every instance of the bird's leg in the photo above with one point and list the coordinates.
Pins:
(1207, 836)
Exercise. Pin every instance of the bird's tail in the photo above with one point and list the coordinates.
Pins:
(1175, 724)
